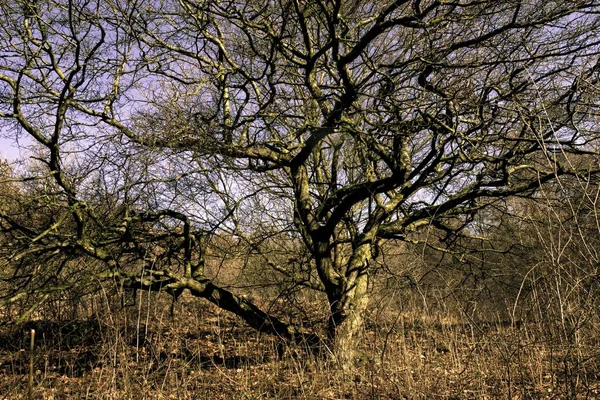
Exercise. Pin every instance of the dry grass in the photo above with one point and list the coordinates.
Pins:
(144, 353)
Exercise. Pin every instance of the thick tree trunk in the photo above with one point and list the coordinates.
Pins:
(348, 306)
(347, 320)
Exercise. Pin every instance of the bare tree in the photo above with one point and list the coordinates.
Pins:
(346, 123)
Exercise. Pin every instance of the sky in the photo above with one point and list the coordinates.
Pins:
(9, 150)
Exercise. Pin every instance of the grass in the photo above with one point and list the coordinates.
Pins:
(200, 352)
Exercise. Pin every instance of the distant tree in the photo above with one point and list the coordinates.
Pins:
(341, 124)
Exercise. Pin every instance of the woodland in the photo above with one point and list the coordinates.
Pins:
(300, 199)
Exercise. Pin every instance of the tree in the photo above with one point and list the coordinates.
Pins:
(347, 123)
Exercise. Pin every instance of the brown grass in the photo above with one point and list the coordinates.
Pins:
(143, 352)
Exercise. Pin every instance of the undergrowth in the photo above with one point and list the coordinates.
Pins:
(196, 351)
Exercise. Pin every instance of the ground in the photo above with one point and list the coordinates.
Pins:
(200, 352)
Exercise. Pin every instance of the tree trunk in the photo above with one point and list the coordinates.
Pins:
(346, 323)
(348, 306)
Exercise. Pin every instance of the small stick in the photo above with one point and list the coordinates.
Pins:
(31, 346)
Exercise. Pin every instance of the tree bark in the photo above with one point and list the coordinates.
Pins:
(348, 306)
(346, 323)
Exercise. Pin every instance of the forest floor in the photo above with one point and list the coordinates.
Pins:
(200, 352)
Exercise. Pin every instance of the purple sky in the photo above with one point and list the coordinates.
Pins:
(9, 150)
